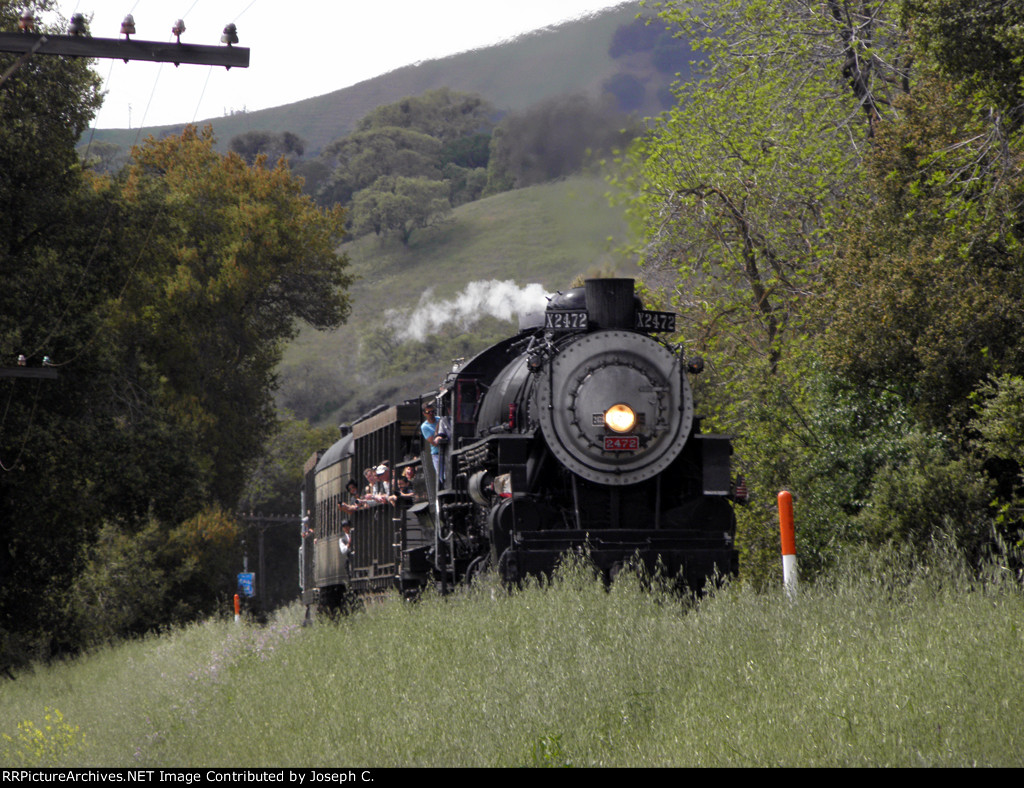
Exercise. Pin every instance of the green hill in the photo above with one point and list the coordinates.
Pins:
(569, 58)
(546, 234)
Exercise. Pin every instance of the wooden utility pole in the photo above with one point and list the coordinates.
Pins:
(80, 44)
(125, 49)
(44, 373)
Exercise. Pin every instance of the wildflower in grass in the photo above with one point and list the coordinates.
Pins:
(44, 745)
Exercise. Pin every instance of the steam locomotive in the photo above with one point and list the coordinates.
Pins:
(576, 434)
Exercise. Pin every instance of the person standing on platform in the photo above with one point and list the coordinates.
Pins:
(434, 437)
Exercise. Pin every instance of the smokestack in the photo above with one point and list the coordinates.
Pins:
(610, 303)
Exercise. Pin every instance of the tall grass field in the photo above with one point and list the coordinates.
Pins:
(882, 666)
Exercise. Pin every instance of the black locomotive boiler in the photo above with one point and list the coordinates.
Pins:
(576, 434)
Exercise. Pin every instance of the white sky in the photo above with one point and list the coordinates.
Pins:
(298, 49)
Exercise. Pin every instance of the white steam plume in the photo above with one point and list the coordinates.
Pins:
(498, 299)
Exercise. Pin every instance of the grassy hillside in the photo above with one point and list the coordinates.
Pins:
(890, 667)
(513, 75)
(546, 234)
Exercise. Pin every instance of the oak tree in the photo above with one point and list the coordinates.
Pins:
(400, 205)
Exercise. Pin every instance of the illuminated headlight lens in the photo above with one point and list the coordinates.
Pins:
(620, 418)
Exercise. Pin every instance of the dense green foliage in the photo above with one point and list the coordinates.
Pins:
(935, 259)
(162, 299)
(51, 284)
(408, 162)
(400, 205)
(669, 53)
(882, 663)
(363, 157)
(552, 139)
(839, 225)
(980, 43)
(444, 114)
(233, 260)
(269, 144)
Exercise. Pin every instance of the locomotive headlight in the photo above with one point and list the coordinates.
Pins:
(620, 418)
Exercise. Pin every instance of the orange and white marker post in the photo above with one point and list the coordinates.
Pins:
(787, 530)
(238, 609)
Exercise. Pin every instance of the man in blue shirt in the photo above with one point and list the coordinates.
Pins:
(429, 428)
